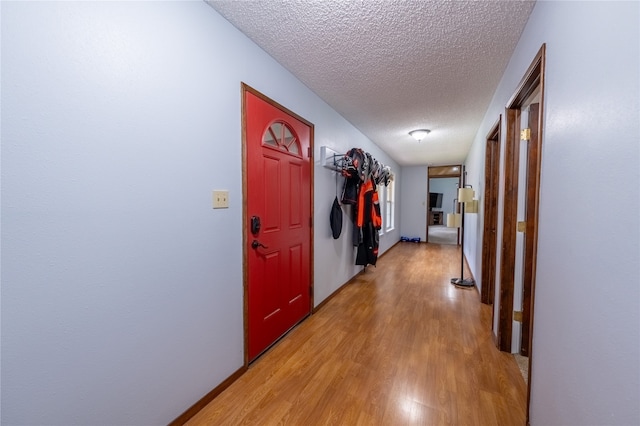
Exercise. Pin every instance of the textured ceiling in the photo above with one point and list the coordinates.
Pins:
(391, 66)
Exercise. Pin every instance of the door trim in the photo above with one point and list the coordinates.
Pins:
(490, 225)
(244, 88)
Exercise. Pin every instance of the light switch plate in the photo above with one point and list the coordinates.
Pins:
(220, 199)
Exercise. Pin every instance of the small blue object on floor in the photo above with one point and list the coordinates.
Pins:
(410, 240)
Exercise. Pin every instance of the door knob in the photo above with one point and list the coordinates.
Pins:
(255, 244)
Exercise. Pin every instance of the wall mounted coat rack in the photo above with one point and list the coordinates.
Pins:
(339, 162)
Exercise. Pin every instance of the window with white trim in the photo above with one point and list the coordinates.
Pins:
(389, 206)
(381, 204)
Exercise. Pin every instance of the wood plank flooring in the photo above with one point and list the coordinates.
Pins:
(399, 345)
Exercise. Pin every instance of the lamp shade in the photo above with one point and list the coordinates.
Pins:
(453, 220)
(465, 195)
(471, 206)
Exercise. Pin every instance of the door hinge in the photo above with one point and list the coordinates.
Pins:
(525, 134)
(309, 151)
(522, 226)
(311, 222)
(517, 316)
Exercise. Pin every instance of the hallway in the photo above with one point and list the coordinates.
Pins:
(398, 345)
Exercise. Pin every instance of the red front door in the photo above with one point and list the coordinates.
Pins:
(278, 221)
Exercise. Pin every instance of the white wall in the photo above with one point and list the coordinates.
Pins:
(334, 259)
(586, 336)
(413, 207)
(121, 287)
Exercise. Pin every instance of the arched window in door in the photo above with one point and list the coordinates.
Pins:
(281, 137)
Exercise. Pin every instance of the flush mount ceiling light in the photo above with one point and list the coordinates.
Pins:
(419, 134)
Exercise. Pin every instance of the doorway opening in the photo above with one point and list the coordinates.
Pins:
(490, 229)
(442, 187)
(520, 219)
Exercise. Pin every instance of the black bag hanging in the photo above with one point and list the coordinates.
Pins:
(335, 218)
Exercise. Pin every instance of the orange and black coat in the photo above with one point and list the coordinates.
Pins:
(368, 223)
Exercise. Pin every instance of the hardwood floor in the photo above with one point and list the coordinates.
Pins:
(399, 345)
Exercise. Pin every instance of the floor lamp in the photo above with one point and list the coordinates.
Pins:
(464, 195)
